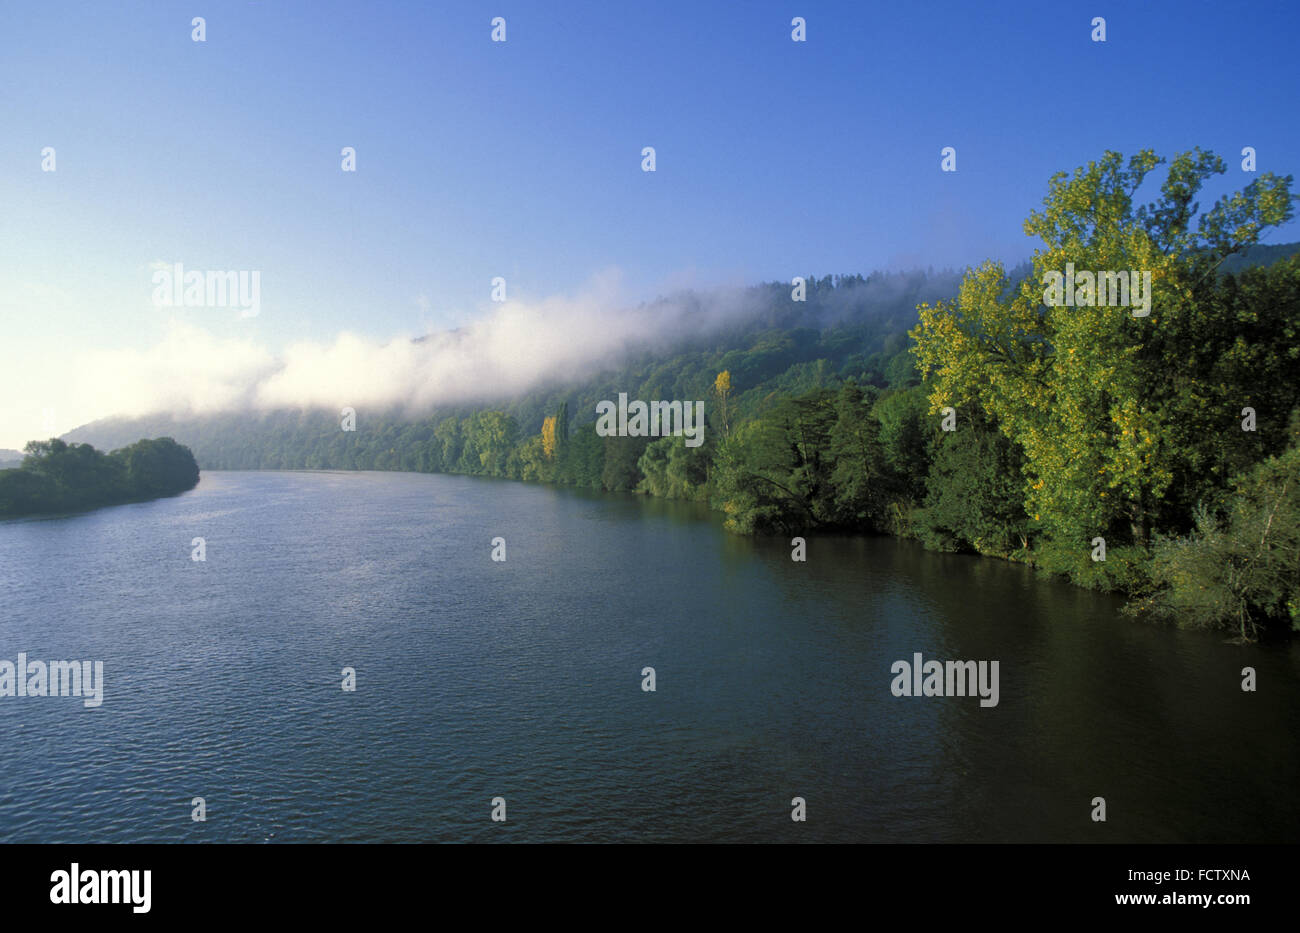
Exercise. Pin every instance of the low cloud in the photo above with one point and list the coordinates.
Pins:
(510, 348)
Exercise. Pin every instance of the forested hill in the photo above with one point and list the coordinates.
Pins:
(1162, 462)
(1259, 255)
(847, 327)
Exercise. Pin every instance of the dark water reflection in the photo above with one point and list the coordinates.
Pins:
(479, 679)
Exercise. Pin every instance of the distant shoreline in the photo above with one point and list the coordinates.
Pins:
(57, 478)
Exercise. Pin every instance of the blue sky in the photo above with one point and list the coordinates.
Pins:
(522, 159)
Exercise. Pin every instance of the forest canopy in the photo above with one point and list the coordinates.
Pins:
(1152, 454)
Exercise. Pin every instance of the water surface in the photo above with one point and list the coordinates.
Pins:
(478, 679)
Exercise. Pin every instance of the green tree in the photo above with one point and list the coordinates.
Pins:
(1240, 572)
(1071, 385)
(863, 481)
(975, 490)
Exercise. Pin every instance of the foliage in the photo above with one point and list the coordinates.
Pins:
(1240, 570)
(1072, 422)
(1073, 386)
(58, 477)
(974, 491)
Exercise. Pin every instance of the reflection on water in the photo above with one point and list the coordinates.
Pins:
(522, 679)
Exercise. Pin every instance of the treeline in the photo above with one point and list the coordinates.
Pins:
(1157, 452)
(59, 477)
(1157, 456)
(848, 327)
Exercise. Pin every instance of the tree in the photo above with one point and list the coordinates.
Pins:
(158, 467)
(974, 491)
(907, 433)
(548, 437)
(672, 470)
(555, 430)
(1236, 573)
(619, 471)
(863, 482)
(1072, 385)
(722, 389)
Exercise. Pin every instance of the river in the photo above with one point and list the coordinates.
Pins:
(522, 679)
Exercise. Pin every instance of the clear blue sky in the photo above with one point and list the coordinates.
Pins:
(522, 159)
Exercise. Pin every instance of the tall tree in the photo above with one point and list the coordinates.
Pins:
(1071, 384)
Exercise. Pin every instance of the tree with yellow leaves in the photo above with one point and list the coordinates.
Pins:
(722, 389)
(548, 437)
(1084, 389)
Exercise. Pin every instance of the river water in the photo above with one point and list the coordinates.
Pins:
(522, 679)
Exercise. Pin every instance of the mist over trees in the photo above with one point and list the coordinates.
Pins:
(848, 326)
(1171, 438)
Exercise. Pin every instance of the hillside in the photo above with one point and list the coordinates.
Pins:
(849, 327)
